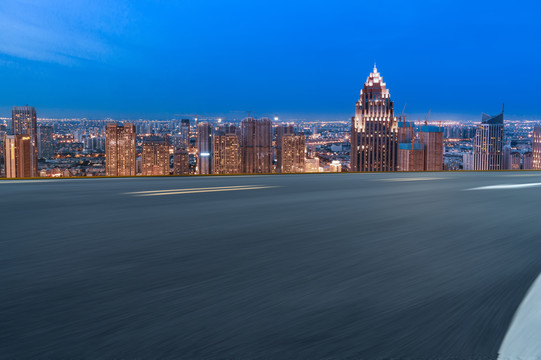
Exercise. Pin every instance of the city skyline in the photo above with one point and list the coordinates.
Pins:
(110, 64)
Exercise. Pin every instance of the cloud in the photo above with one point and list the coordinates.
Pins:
(60, 31)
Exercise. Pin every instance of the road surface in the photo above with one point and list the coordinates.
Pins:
(323, 266)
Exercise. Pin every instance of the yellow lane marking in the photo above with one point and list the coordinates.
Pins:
(202, 190)
(412, 179)
(190, 189)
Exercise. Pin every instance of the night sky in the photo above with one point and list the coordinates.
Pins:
(294, 58)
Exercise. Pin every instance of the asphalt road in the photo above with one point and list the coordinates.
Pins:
(329, 266)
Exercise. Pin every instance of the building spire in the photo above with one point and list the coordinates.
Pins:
(375, 68)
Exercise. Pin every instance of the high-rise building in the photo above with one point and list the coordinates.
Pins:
(256, 145)
(18, 156)
(292, 153)
(181, 162)
(515, 160)
(182, 140)
(280, 131)
(204, 148)
(527, 160)
(432, 139)
(488, 144)
(411, 156)
(536, 160)
(155, 157)
(506, 158)
(45, 141)
(2, 150)
(374, 128)
(226, 154)
(120, 149)
(24, 122)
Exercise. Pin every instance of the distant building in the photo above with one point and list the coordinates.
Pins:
(120, 149)
(185, 134)
(374, 128)
(411, 156)
(18, 157)
(515, 160)
(280, 131)
(226, 154)
(292, 153)
(256, 145)
(506, 157)
(181, 162)
(488, 144)
(155, 157)
(432, 139)
(311, 165)
(45, 141)
(24, 122)
(204, 148)
(527, 160)
(2, 150)
(536, 145)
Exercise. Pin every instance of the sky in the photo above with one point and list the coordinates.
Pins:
(296, 59)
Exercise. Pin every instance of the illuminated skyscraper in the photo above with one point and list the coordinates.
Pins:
(256, 145)
(226, 154)
(155, 157)
(18, 156)
(536, 148)
(204, 148)
(45, 141)
(24, 122)
(292, 153)
(120, 149)
(374, 128)
(488, 144)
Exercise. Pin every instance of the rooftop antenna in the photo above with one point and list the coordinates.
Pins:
(503, 107)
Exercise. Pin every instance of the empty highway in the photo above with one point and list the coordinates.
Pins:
(322, 266)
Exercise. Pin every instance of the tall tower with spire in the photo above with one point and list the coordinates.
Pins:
(374, 128)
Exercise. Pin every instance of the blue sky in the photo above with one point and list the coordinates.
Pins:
(295, 58)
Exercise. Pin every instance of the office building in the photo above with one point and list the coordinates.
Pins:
(374, 128)
(45, 141)
(536, 146)
(204, 148)
(488, 144)
(18, 156)
(120, 149)
(256, 145)
(226, 154)
(24, 122)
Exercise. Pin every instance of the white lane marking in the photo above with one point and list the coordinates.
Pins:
(190, 189)
(503, 186)
(523, 338)
(197, 191)
(412, 179)
(522, 175)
